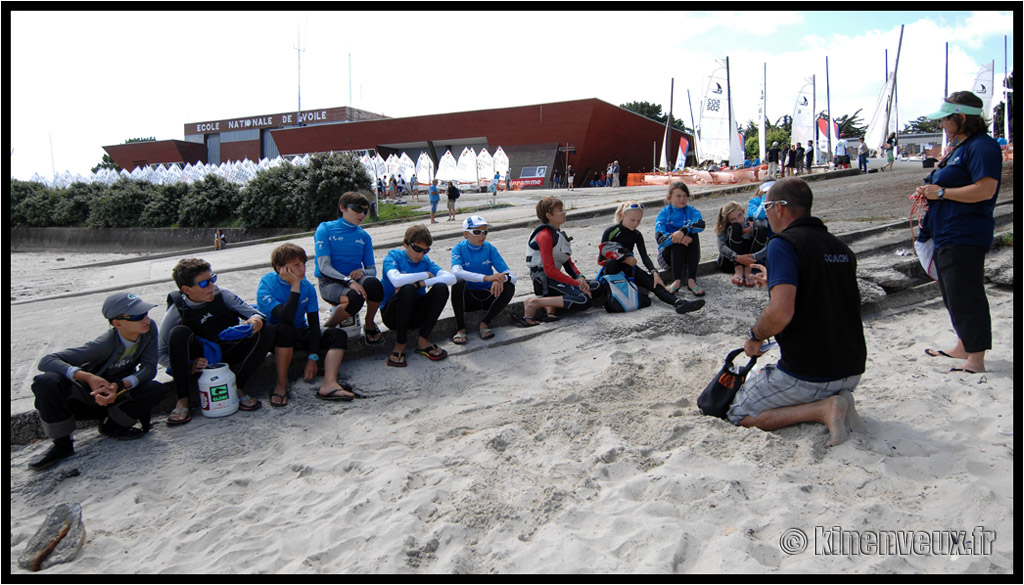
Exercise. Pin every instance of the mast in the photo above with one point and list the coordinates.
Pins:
(892, 98)
(764, 112)
(728, 96)
(1006, 96)
(668, 124)
(945, 92)
(696, 156)
(828, 107)
(814, 111)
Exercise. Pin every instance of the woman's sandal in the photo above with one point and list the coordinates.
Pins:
(373, 337)
(525, 321)
(460, 339)
(486, 333)
(697, 292)
(738, 280)
(548, 317)
(254, 405)
(749, 281)
(282, 399)
(433, 352)
(672, 288)
(179, 416)
(397, 359)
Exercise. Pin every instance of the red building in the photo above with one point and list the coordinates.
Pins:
(538, 139)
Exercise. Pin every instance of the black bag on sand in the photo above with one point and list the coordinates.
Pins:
(717, 397)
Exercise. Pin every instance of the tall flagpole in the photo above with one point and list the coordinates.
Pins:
(1006, 98)
(945, 92)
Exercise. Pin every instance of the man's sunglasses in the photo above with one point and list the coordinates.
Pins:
(419, 250)
(207, 282)
(769, 204)
(358, 208)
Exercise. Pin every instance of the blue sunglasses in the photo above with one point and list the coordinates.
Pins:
(207, 282)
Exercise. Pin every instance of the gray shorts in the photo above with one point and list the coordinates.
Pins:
(332, 289)
(772, 388)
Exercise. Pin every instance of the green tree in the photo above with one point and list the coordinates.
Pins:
(209, 203)
(921, 125)
(73, 205)
(163, 208)
(31, 204)
(327, 178)
(120, 205)
(654, 112)
(272, 198)
(851, 125)
(107, 163)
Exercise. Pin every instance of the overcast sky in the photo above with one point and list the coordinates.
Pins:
(83, 80)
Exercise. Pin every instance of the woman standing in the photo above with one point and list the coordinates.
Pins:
(890, 150)
(961, 194)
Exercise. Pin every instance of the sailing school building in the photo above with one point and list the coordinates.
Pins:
(538, 139)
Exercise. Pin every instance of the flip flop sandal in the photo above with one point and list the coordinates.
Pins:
(749, 281)
(738, 280)
(373, 337)
(177, 412)
(672, 288)
(430, 352)
(525, 321)
(248, 407)
(486, 334)
(460, 339)
(283, 399)
(548, 318)
(697, 292)
(936, 353)
(333, 395)
(397, 359)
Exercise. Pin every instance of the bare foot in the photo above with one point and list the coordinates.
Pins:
(853, 421)
(835, 420)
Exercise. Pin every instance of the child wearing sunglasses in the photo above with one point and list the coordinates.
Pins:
(290, 302)
(110, 378)
(196, 315)
(625, 233)
(484, 279)
(415, 294)
(345, 267)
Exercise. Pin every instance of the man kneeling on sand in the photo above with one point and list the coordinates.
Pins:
(814, 313)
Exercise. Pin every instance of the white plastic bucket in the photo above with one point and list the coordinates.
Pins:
(218, 395)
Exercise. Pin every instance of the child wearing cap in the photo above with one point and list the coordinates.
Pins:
(289, 301)
(484, 279)
(196, 315)
(415, 293)
(110, 378)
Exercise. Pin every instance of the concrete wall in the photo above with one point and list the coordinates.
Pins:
(137, 240)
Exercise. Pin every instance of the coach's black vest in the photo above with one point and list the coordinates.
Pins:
(825, 338)
(207, 321)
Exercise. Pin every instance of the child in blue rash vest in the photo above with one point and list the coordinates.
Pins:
(415, 293)
(484, 280)
(676, 229)
(289, 301)
(199, 310)
(434, 197)
(110, 378)
(345, 266)
(624, 232)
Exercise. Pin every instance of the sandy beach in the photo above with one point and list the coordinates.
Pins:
(572, 447)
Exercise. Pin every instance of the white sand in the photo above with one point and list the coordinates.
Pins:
(579, 449)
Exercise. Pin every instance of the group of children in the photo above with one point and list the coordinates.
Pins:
(112, 377)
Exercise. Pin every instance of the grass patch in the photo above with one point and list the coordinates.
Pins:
(390, 211)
